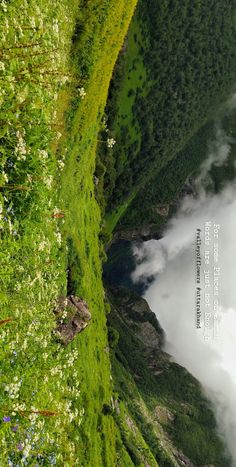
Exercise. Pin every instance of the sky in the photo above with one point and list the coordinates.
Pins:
(205, 346)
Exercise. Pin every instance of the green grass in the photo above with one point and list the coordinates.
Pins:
(50, 220)
(112, 219)
(134, 77)
(134, 81)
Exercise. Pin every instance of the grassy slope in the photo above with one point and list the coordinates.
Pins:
(72, 386)
(83, 228)
(134, 77)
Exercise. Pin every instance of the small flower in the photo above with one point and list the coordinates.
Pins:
(19, 446)
(58, 237)
(55, 27)
(64, 79)
(111, 142)
(43, 154)
(82, 93)
(58, 135)
(6, 419)
(5, 176)
(15, 428)
(61, 165)
(2, 66)
(32, 22)
(48, 181)
(4, 6)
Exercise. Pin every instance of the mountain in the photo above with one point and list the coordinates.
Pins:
(175, 70)
(163, 417)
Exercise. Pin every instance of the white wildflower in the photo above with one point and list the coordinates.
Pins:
(42, 245)
(21, 34)
(5, 176)
(4, 5)
(61, 165)
(13, 388)
(11, 231)
(40, 424)
(20, 98)
(25, 344)
(56, 371)
(71, 417)
(58, 237)
(6, 24)
(64, 79)
(64, 314)
(21, 146)
(32, 22)
(111, 142)
(27, 449)
(43, 154)
(2, 66)
(48, 181)
(55, 27)
(82, 93)
(68, 405)
(33, 417)
(18, 407)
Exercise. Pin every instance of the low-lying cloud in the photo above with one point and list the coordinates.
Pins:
(208, 352)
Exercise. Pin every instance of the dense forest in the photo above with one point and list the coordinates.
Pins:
(177, 65)
(168, 186)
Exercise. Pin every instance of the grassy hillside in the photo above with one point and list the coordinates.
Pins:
(55, 67)
(177, 65)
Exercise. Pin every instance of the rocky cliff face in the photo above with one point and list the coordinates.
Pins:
(138, 317)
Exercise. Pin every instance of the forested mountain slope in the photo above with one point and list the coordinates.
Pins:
(146, 215)
(176, 67)
(163, 417)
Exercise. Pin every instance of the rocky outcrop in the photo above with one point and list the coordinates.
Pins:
(134, 312)
(183, 460)
(144, 232)
(73, 316)
(162, 209)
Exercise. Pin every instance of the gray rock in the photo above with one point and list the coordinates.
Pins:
(73, 316)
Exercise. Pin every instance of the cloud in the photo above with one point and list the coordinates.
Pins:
(208, 352)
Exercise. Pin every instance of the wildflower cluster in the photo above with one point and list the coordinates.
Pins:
(111, 142)
(13, 388)
(82, 93)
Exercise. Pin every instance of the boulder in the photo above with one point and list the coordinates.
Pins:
(73, 316)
